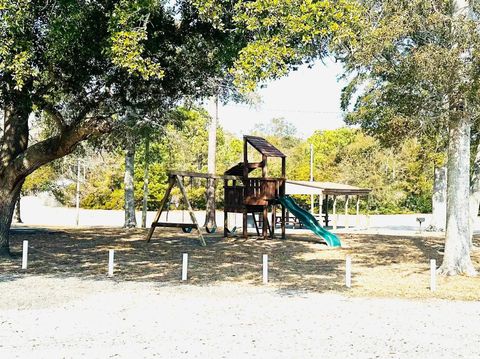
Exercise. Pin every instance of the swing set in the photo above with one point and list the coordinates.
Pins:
(176, 178)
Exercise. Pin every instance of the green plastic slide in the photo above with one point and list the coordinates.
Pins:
(310, 221)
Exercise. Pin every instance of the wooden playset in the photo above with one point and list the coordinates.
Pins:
(243, 194)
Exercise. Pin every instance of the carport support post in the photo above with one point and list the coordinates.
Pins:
(327, 221)
(335, 218)
(368, 212)
(357, 215)
(320, 209)
(346, 211)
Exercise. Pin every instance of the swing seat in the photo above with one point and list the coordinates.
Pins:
(232, 231)
(186, 227)
(211, 229)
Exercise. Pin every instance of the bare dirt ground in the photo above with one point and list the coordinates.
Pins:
(383, 266)
(64, 305)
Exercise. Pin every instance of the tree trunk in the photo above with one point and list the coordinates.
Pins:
(13, 141)
(8, 198)
(18, 160)
(439, 200)
(457, 242)
(145, 182)
(130, 220)
(210, 220)
(474, 192)
(17, 218)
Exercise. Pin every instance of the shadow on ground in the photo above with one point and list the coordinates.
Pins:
(382, 265)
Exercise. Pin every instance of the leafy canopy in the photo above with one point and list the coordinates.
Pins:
(78, 57)
(414, 66)
(283, 33)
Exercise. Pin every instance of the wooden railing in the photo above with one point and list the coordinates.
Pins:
(265, 189)
(255, 191)
(233, 198)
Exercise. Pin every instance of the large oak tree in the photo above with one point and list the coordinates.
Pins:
(415, 67)
(81, 63)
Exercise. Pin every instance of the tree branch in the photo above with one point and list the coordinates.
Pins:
(56, 116)
(93, 103)
(57, 146)
(50, 110)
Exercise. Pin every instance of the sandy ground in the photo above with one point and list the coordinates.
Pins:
(64, 305)
(42, 317)
(383, 266)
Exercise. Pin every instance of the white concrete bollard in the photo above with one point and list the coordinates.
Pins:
(184, 266)
(433, 275)
(265, 268)
(111, 254)
(348, 272)
(25, 255)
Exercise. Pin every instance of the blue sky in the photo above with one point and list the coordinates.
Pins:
(308, 98)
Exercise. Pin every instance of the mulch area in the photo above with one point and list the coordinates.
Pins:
(383, 266)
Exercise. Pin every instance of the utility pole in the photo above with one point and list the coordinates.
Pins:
(210, 220)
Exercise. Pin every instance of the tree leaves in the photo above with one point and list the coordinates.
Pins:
(128, 28)
(413, 64)
(283, 34)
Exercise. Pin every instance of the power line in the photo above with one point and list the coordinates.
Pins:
(286, 110)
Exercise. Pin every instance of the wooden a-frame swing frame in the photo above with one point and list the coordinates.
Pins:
(175, 178)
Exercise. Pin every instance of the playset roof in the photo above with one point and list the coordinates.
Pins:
(327, 188)
(264, 147)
